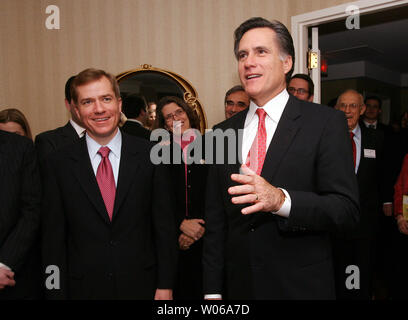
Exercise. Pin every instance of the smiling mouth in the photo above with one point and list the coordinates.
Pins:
(253, 76)
(101, 119)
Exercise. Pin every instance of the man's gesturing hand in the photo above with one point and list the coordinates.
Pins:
(6, 278)
(256, 190)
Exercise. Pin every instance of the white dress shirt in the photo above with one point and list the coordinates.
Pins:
(357, 141)
(274, 109)
(374, 124)
(115, 145)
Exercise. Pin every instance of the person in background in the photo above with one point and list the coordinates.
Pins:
(50, 141)
(235, 101)
(134, 109)
(13, 120)
(400, 263)
(357, 247)
(188, 183)
(301, 86)
(20, 198)
(151, 115)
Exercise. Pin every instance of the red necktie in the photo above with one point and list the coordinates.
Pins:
(354, 148)
(257, 153)
(106, 181)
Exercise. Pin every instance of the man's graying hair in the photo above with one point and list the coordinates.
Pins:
(283, 37)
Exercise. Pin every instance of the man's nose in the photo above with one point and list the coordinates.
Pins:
(98, 107)
(250, 60)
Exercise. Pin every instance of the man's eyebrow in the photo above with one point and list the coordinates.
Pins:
(261, 48)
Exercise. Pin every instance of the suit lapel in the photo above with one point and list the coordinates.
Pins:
(86, 177)
(238, 126)
(69, 132)
(129, 165)
(366, 143)
(285, 132)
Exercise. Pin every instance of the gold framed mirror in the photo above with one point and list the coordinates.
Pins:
(152, 84)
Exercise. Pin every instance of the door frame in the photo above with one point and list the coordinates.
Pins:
(301, 23)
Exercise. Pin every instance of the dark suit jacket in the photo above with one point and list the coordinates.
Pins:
(265, 256)
(136, 129)
(19, 215)
(50, 141)
(189, 280)
(369, 176)
(127, 258)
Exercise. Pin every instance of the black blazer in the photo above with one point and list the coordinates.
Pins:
(136, 129)
(50, 141)
(189, 279)
(19, 215)
(369, 176)
(127, 258)
(265, 256)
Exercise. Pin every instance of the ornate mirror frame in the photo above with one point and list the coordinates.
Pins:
(189, 92)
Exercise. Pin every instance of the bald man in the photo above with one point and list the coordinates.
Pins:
(355, 248)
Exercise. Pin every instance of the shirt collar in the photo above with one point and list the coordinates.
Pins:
(115, 145)
(273, 108)
(135, 120)
(368, 124)
(357, 132)
(79, 130)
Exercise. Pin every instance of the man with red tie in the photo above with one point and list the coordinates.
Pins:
(107, 220)
(355, 248)
(267, 222)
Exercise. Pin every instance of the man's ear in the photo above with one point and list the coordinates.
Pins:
(363, 109)
(120, 104)
(67, 105)
(310, 99)
(287, 64)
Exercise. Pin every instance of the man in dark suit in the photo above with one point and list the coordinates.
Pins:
(270, 241)
(20, 198)
(50, 141)
(356, 248)
(134, 109)
(108, 223)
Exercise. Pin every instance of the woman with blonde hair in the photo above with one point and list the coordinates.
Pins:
(13, 120)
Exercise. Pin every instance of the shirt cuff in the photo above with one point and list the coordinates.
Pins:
(4, 267)
(284, 211)
(212, 296)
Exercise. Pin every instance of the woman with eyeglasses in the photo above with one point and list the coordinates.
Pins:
(189, 181)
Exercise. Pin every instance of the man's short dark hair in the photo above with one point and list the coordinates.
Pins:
(233, 90)
(306, 78)
(133, 105)
(283, 37)
(90, 75)
(374, 98)
(68, 88)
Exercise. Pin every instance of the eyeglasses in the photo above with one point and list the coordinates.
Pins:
(178, 113)
(299, 91)
(231, 103)
(353, 106)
